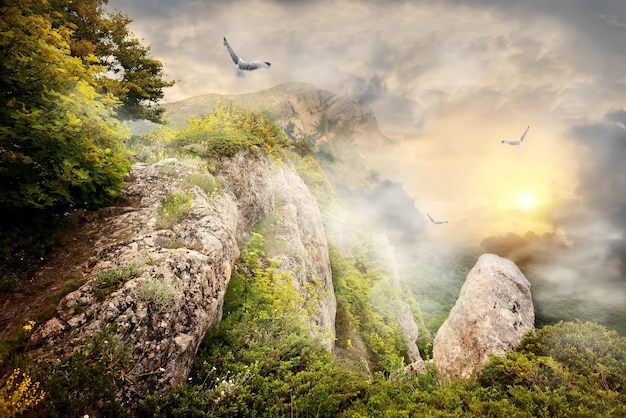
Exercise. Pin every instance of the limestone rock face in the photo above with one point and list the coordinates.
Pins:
(187, 267)
(492, 314)
(159, 289)
(401, 309)
(303, 249)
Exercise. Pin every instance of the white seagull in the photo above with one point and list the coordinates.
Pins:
(241, 65)
(519, 141)
(434, 221)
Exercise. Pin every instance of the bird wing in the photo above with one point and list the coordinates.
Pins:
(430, 217)
(511, 142)
(524, 134)
(234, 56)
(252, 65)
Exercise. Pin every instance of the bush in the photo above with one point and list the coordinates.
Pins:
(89, 381)
(162, 293)
(586, 348)
(108, 280)
(173, 208)
(209, 184)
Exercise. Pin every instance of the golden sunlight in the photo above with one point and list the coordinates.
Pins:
(526, 201)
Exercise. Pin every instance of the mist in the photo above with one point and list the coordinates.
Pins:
(447, 81)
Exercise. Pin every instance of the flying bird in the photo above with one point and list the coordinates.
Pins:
(434, 221)
(241, 65)
(519, 141)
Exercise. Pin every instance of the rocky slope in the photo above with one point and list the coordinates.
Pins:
(493, 312)
(176, 278)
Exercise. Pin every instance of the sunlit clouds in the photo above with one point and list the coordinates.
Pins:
(448, 82)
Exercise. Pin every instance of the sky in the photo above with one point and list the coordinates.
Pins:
(447, 81)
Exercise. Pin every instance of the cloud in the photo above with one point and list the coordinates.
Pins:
(366, 90)
(447, 81)
(580, 268)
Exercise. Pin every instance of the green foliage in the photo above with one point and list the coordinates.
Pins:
(133, 76)
(583, 347)
(209, 184)
(224, 132)
(108, 280)
(89, 381)
(59, 145)
(173, 208)
(365, 301)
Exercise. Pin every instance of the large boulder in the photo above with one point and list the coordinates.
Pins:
(156, 290)
(492, 314)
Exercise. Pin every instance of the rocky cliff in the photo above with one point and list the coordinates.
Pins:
(493, 312)
(160, 289)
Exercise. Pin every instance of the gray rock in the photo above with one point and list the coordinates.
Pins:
(305, 256)
(165, 326)
(174, 293)
(492, 314)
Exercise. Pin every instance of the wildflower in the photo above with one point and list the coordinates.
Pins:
(29, 326)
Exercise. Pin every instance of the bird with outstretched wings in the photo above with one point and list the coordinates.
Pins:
(241, 65)
(434, 222)
(517, 142)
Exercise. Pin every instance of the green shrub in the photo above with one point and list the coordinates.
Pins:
(584, 347)
(108, 280)
(89, 381)
(209, 184)
(161, 293)
(173, 208)
(363, 298)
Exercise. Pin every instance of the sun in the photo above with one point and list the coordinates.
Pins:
(526, 201)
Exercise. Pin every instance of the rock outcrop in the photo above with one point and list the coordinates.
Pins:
(160, 289)
(492, 314)
(300, 109)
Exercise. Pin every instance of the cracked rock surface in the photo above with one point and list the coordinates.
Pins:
(492, 314)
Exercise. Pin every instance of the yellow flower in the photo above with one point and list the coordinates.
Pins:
(29, 326)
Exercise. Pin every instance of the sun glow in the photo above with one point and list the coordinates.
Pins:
(526, 201)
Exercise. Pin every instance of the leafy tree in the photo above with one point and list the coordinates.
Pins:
(137, 78)
(59, 146)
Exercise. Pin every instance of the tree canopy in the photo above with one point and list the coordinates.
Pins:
(59, 144)
(133, 76)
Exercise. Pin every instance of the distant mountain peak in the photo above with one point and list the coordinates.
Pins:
(301, 109)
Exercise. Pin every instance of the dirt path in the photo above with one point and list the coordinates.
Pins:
(66, 269)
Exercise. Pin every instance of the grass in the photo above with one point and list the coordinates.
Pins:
(173, 208)
(209, 184)
(107, 280)
(161, 293)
